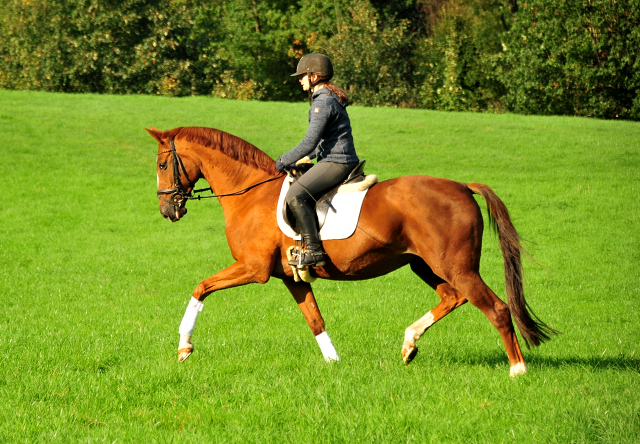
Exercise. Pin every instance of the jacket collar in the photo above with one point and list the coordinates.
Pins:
(325, 90)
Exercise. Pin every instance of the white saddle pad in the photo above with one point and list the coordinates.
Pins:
(338, 225)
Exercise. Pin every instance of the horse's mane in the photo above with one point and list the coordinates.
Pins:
(230, 145)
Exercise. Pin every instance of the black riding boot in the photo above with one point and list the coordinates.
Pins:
(308, 227)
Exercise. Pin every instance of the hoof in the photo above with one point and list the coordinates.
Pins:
(518, 369)
(408, 353)
(185, 352)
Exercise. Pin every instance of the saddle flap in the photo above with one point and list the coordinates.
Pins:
(287, 215)
(324, 205)
(355, 181)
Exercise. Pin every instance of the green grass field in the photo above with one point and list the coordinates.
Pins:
(94, 283)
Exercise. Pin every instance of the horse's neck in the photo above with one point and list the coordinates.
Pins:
(226, 175)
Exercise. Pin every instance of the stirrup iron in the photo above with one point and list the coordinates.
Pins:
(301, 258)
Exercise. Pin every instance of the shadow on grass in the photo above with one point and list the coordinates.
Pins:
(593, 363)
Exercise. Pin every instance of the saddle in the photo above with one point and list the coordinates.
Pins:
(323, 204)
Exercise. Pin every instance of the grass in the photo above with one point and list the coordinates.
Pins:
(93, 285)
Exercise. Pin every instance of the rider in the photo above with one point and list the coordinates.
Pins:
(328, 139)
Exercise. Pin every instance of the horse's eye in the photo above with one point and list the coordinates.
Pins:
(163, 166)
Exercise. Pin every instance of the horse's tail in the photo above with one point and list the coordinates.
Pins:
(532, 329)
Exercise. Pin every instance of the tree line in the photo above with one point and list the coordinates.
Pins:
(562, 57)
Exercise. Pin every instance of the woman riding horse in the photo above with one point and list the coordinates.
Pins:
(329, 140)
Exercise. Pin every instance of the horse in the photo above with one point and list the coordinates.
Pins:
(434, 225)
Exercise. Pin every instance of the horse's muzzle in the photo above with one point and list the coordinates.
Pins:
(172, 212)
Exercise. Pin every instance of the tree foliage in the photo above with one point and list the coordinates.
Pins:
(455, 57)
(574, 58)
(540, 57)
(375, 60)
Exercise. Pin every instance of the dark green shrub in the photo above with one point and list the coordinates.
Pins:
(557, 56)
(374, 61)
(241, 49)
(92, 46)
(253, 50)
(573, 58)
(454, 58)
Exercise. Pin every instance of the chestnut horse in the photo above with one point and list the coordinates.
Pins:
(433, 225)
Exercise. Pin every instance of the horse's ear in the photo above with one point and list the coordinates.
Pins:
(155, 133)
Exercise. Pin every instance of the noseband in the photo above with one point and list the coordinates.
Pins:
(179, 194)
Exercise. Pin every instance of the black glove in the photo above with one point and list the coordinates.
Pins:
(279, 165)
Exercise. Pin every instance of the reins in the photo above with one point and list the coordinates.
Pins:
(235, 193)
(180, 194)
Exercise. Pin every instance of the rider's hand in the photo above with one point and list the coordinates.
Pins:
(279, 165)
(304, 160)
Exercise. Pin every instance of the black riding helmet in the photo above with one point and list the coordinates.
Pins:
(315, 63)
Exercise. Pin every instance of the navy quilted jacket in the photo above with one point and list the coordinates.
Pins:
(329, 135)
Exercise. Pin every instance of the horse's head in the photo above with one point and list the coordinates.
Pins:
(176, 173)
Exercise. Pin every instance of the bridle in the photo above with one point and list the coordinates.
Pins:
(180, 194)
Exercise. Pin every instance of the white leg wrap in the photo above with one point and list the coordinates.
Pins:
(185, 341)
(188, 323)
(326, 346)
(417, 329)
(519, 369)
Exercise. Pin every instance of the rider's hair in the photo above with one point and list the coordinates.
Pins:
(342, 96)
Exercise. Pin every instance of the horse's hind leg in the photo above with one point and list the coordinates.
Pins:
(450, 299)
(303, 294)
(480, 295)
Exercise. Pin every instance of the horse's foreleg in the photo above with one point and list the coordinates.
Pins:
(240, 273)
(233, 276)
(188, 324)
(303, 294)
